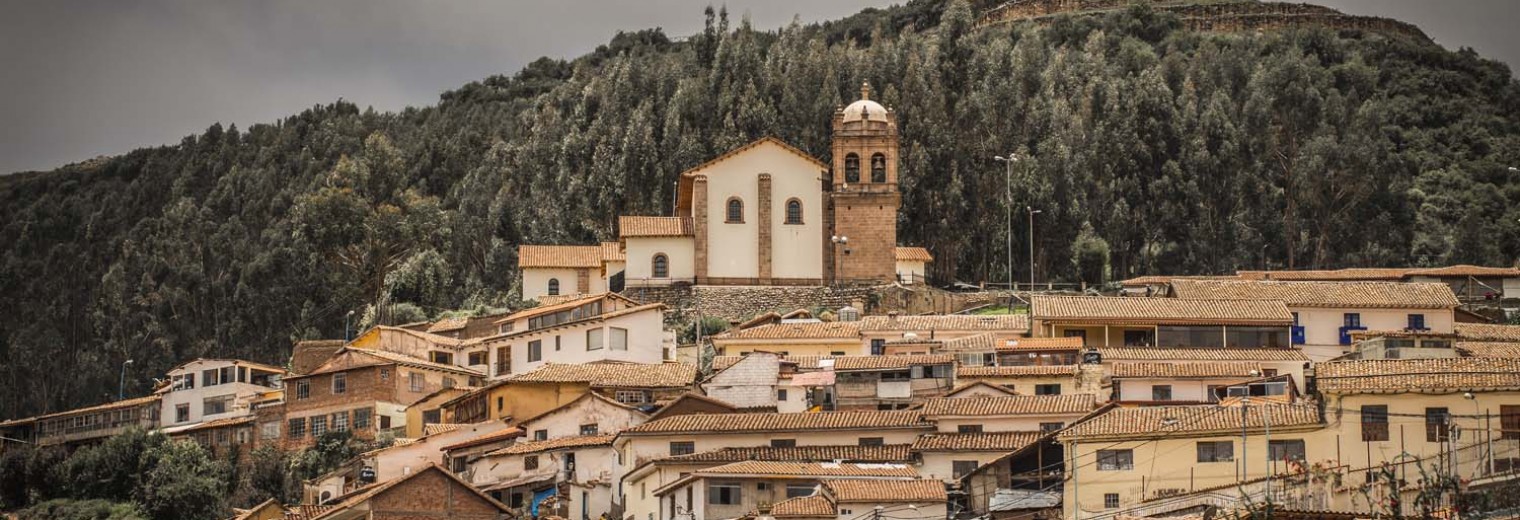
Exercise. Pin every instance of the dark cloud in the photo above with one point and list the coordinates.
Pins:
(90, 77)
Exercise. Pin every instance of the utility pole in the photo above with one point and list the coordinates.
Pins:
(1008, 196)
(1032, 213)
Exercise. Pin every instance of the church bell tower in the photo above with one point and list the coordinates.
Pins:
(863, 199)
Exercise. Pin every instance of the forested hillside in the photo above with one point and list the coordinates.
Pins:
(1155, 150)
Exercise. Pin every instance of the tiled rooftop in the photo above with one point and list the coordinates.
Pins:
(1017, 371)
(1010, 405)
(1385, 295)
(614, 374)
(524, 448)
(1493, 349)
(812, 506)
(886, 491)
(764, 422)
(1440, 375)
(1200, 354)
(860, 363)
(815, 330)
(913, 254)
(654, 226)
(1202, 369)
(1176, 311)
(949, 322)
(559, 256)
(989, 441)
(813, 469)
(847, 452)
(1488, 331)
(1169, 421)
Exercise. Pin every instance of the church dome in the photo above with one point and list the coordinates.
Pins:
(865, 109)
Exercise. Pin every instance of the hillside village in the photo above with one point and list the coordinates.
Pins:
(1317, 394)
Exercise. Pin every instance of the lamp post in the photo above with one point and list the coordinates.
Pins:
(121, 385)
(839, 242)
(347, 336)
(1032, 213)
(1008, 193)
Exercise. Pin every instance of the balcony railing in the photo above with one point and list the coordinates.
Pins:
(1346, 333)
(1298, 335)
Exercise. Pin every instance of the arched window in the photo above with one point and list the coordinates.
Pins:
(735, 211)
(661, 266)
(793, 211)
(554, 287)
(852, 168)
(878, 168)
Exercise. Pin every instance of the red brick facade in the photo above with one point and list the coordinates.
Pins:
(369, 402)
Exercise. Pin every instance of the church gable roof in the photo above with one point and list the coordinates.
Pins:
(684, 197)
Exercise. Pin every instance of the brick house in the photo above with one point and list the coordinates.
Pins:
(429, 493)
(553, 385)
(364, 391)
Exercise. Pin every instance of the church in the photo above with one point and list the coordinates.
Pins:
(765, 213)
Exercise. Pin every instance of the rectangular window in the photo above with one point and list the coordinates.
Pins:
(1138, 338)
(416, 381)
(723, 494)
(339, 383)
(449, 382)
(318, 425)
(1047, 389)
(385, 375)
(1374, 423)
(540, 435)
(1286, 450)
(682, 448)
(1116, 460)
(878, 346)
(1047, 427)
(871, 441)
(215, 405)
(478, 358)
(303, 389)
(1190, 336)
(1216, 451)
(340, 421)
(968, 428)
(182, 412)
(530, 462)
(442, 358)
(961, 468)
(1161, 392)
(781, 394)
(799, 490)
(269, 430)
(535, 350)
(1437, 425)
(631, 396)
(1110, 501)
(296, 428)
(1509, 421)
(385, 422)
(1416, 322)
(619, 338)
(589, 429)
(228, 375)
(556, 343)
(362, 418)
(783, 443)
(209, 377)
(460, 464)
(1351, 319)
(594, 339)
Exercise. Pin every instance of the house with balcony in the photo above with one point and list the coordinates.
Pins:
(890, 382)
(1106, 321)
(599, 327)
(363, 391)
(1326, 314)
(1268, 361)
(93, 423)
(1160, 383)
(209, 390)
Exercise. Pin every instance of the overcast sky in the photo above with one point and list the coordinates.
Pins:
(83, 78)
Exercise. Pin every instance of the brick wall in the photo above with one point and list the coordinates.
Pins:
(869, 220)
(699, 223)
(764, 221)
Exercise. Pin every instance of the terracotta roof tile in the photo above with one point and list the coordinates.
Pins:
(1017, 371)
(988, 441)
(1159, 279)
(945, 322)
(524, 448)
(613, 374)
(1466, 270)
(817, 330)
(654, 227)
(496, 436)
(810, 506)
(1010, 405)
(613, 252)
(765, 422)
(1069, 342)
(853, 363)
(1418, 375)
(913, 254)
(1200, 354)
(1351, 274)
(1388, 295)
(1109, 309)
(429, 430)
(984, 342)
(448, 325)
(886, 491)
(1488, 331)
(802, 362)
(126, 403)
(1207, 369)
(846, 452)
(559, 256)
(405, 360)
(1491, 349)
(1166, 421)
(218, 423)
(813, 469)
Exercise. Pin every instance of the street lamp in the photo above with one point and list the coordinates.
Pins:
(839, 242)
(347, 336)
(1032, 213)
(121, 386)
(1008, 187)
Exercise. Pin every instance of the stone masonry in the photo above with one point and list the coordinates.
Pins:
(764, 222)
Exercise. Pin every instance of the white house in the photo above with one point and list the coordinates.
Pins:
(210, 389)
(602, 327)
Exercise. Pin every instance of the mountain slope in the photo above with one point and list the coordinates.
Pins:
(1157, 149)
